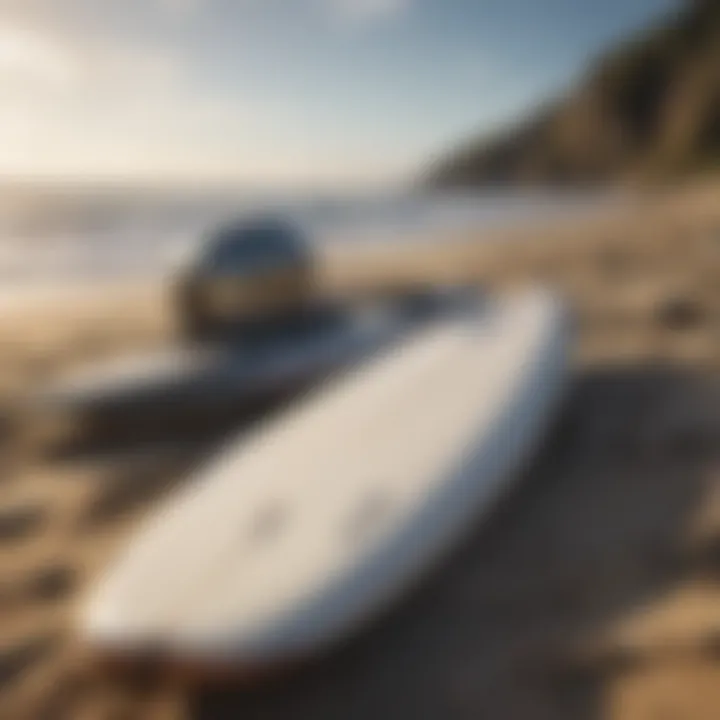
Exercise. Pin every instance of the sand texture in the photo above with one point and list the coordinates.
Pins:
(594, 591)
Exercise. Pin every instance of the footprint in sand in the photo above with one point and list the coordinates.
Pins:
(48, 584)
(18, 658)
(680, 312)
(21, 521)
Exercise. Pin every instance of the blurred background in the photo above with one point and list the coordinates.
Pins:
(562, 141)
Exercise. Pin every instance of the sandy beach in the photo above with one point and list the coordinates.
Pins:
(593, 593)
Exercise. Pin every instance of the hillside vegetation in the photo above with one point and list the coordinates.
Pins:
(648, 110)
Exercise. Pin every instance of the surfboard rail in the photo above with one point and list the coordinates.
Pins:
(323, 517)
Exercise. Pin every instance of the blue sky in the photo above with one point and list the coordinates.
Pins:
(280, 92)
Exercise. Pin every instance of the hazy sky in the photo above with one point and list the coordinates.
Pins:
(279, 91)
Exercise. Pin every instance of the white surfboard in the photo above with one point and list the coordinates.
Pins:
(310, 526)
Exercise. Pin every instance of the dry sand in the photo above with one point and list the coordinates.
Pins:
(593, 593)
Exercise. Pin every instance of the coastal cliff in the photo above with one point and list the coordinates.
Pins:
(647, 111)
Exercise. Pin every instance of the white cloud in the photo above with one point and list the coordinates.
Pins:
(180, 8)
(364, 11)
(103, 106)
(104, 102)
(30, 57)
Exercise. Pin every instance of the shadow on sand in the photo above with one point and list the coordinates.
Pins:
(502, 630)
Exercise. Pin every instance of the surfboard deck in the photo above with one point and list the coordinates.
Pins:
(298, 535)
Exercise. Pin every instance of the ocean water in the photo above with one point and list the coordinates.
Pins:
(50, 235)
